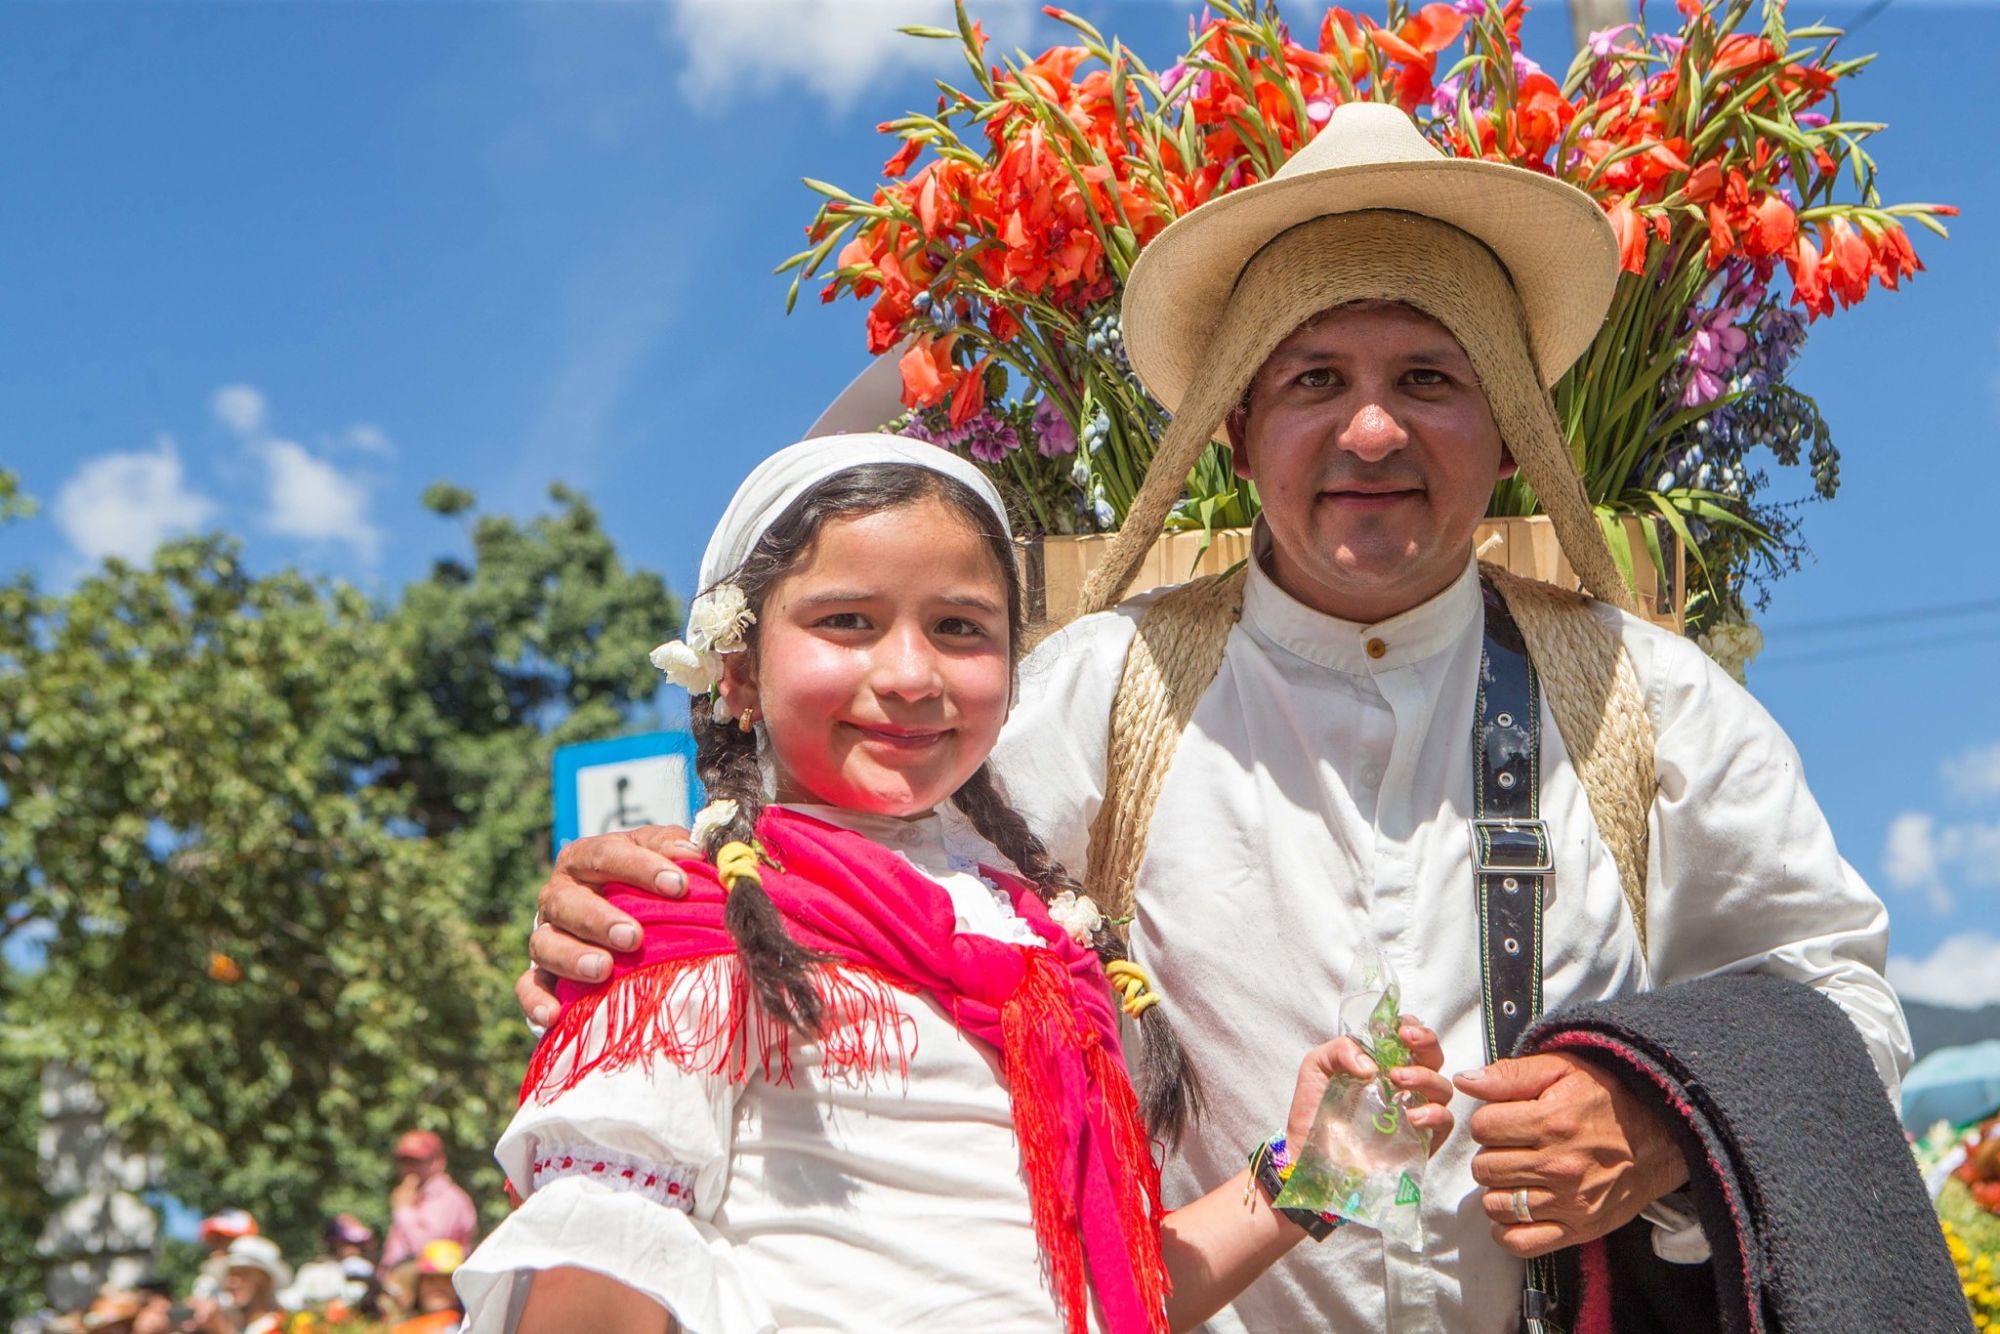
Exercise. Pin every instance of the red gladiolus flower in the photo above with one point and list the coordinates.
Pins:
(1703, 183)
(1809, 279)
(968, 400)
(904, 156)
(1848, 263)
(1631, 231)
(1894, 259)
(1003, 326)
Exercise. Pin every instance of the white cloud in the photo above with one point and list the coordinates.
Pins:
(1975, 774)
(125, 505)
(309, 498)
(369, 439)
(240, 407)
(831, 48)
(1963, 970)
(1926, 855)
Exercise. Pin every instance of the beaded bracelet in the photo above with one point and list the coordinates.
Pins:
(1270, 1167)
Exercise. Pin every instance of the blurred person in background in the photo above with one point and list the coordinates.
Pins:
(426, 1206)
(217, 1232)
(256, 1270)
(435, 1302)
(342, 1274)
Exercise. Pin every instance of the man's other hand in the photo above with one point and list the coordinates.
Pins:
(1589, 1155)
(574, 925)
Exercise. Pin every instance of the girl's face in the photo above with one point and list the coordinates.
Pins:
(882, 669)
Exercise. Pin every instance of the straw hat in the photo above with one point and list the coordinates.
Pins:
(1520, 268)
(1555, 242)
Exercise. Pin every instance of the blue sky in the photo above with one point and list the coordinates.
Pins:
(273, 268)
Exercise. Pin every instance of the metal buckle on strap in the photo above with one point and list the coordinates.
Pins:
(1539, 1312)
(1518, 845)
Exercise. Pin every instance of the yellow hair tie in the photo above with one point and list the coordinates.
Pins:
(1134, 988)
(737, 861)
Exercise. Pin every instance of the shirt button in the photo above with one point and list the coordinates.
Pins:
(1376, 648)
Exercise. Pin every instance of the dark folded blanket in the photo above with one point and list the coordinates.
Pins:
(1800, 1174)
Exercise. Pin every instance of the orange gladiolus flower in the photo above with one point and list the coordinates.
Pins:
(1848, 263)
(904, 156)
(968, 400)
(1631, 232)
(1809, 279)
(928, 374)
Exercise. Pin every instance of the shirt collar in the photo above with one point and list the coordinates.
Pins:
(1425, 630)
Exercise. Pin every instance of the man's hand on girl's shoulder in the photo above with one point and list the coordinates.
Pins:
(574, 925)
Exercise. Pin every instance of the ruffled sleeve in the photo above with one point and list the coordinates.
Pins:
(622, 1172)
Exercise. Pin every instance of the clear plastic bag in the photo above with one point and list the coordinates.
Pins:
(1363, 1160)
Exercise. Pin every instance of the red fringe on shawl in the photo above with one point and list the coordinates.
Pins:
(698, 1016)
(1042, 1002)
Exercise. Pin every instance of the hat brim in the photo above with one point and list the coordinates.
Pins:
(1557, 246)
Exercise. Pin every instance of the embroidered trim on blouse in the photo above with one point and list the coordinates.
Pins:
(671, 1184)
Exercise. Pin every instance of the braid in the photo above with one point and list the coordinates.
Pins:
(1169, 1091)
(777, 965)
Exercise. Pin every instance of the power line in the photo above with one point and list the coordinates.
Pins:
(1809, 659)
(1868, 620)
(1867, 16)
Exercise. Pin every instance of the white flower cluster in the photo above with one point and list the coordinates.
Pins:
(1076, 914)
(715, 626)
(710, 818)
(1732, 644)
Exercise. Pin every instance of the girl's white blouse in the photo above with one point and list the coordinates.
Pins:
(895, 1204)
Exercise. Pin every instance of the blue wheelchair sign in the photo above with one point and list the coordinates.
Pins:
(623, 783)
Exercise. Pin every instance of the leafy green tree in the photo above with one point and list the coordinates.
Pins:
(283, 843)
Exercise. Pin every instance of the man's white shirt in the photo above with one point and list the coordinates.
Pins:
(1318, 804)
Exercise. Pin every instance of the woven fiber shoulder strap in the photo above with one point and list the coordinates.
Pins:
(1588, 679)
(1174, 656)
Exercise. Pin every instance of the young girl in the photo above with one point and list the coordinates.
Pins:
(861, 1076)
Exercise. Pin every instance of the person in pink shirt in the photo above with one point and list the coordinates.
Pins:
(426, 1205)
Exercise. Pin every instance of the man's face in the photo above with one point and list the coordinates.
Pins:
(419, 1165)
(1375, 453)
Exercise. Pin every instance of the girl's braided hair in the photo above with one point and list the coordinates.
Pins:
(726, 757)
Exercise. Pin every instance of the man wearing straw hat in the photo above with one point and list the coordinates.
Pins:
(1520, 798)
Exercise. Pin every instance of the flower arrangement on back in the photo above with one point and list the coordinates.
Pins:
(1745, 205)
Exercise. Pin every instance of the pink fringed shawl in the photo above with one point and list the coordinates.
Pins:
(1092, 1183)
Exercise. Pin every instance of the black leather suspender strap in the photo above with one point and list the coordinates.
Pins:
(1512, 862)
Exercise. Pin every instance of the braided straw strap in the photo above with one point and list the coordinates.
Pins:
(1586, 676)
(1175, 654)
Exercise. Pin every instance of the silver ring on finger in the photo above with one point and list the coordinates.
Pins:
(540, 922)
(1519, 1199)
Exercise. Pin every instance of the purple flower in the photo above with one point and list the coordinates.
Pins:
(1524, 68)
(1319, 111)
(1812, 120)
(1054, 437)
(1712, 354)
(1472, 9)
(1605, 40)
(988, 438)
(1444, 98)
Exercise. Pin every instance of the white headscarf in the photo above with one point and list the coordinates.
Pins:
(779, 480)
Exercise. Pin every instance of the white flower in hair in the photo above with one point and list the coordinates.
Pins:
(1076, 914)
(718, 709)
(708, 819)
(718, 618)
(691, 669)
